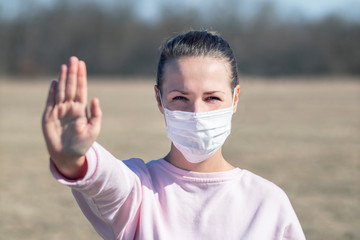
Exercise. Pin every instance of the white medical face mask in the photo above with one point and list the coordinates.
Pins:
(198, 135)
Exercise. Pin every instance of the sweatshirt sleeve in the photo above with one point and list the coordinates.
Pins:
(109, 195)
(293, 230)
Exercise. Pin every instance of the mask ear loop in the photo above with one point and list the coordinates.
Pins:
(162, 104)
(233, 100)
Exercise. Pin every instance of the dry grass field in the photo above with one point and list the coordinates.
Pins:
(304, 135)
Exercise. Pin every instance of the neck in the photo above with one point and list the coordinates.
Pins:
(216, 163)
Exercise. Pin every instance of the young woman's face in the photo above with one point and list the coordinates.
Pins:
(197, 84)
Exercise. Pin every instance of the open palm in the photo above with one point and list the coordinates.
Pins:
(68, 130)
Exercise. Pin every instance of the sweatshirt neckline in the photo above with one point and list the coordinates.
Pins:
(200, 176)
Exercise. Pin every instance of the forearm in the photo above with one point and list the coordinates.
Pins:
(104, 191)
(104, 175)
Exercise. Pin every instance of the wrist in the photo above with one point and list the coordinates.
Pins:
(74, 169)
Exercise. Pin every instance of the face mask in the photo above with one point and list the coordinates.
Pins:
(198, 135)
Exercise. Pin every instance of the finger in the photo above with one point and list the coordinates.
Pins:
(81, 89)
(95, 118)
(71, 79)
(50, 102)
(60, 93)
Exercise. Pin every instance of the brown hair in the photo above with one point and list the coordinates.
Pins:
(194, 44)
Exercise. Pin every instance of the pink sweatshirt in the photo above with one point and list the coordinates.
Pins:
(133, 200)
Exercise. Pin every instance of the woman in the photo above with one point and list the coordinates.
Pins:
(191, 193)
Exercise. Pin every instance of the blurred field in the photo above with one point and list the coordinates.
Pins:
(304, 135)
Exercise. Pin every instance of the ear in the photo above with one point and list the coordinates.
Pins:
(158, 100)
(236, 97)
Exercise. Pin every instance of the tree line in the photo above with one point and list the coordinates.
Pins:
(117, 41)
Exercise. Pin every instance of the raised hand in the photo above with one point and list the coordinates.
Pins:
(68, 130)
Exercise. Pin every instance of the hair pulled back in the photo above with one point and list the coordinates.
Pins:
(197, 44)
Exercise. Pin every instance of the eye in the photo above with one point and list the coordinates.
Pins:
(212, 99)
(179, 98)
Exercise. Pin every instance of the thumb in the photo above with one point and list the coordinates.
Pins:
(95, 116)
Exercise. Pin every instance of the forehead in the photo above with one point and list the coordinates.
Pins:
(189, 73)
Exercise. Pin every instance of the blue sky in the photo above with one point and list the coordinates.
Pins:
(319, 8)
(312, 9)
(148, 9)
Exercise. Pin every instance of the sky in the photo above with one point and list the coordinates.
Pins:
(319, 8)
(310, 9)
(149, 9)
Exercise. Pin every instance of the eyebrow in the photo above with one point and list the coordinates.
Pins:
(206, 93)
(212, 92)
(180, 91)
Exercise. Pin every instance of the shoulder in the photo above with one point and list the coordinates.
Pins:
(145, 171)
(137, 165)
(150, 174)
(264, 190)
(250, 179)
(271, 202)
(268, 197)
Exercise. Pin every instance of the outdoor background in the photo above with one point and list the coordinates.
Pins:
(297, 124)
